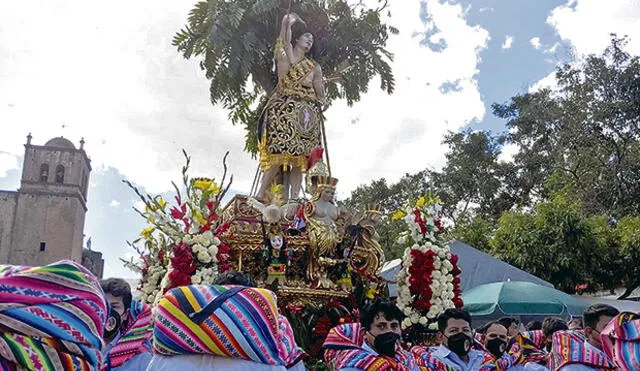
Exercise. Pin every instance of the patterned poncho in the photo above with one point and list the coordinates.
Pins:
(527, 347)
(621, 341)
(51, 317)
(343, 349)
(569, 347)
(227, 321)
(135, 338)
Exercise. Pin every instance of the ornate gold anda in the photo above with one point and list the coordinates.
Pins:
(302, 296)
(308, 275)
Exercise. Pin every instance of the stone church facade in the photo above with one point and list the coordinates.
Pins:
(43, 221)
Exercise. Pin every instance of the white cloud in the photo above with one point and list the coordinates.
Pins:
(8, 161)
(587, 24)
(508, 41)
(114, 203)
(508, 152)
(401, 133)
(139, 205)
(548, 81)
(535, 42)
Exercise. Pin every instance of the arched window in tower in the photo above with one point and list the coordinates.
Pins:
(59, 174)
(44, 173)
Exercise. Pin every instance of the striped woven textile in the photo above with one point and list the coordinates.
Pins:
(621, 341)
(51, 317)
(425, 359)
(527, 347)
(227, 321)
(569, 348)
(343, 349)
(135, 338)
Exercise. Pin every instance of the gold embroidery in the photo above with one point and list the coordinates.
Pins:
(292, 120)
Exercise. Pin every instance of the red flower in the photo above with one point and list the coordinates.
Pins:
(182, 265)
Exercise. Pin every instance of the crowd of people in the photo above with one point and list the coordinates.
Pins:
(60, 317)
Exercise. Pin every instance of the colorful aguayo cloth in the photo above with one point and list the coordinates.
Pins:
(51, 317)
(569, 348)
(527, 347)
(135, 338)
(343, 349)
(621, 341)
(228, 321)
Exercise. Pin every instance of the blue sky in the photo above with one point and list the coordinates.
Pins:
(121, 86)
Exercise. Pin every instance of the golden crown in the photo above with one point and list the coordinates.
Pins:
(373, 208)
(326, 181)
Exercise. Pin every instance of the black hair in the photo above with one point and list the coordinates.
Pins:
(299, 29)
(507, 321)
(443, 319)
(379, 306)
(552, 324)
(483, 329)
(534, 325)
(118, 288)
(593, 313)
(234, 278)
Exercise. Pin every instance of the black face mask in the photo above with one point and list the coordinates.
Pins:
(385, 344)
(497, 347)
(113, 324)
(459, 343)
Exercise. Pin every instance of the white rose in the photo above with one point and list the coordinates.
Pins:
(415, 318)
(436, 275)
(450, 287)
(204, 257)
(423, 321)
(216, 241)
(436, 264)
(406, 323)
(196, 279)
(213, 250)
(407, 311)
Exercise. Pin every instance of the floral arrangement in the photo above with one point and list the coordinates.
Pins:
(180, 246)
(428, 282)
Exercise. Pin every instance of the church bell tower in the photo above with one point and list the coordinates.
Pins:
(51, 203)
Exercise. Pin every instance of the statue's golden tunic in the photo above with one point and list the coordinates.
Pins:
(291, 120)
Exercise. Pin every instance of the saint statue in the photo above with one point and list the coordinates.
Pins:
(321, 215)
(290, 126)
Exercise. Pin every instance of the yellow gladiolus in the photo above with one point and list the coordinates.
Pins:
(398, 215)
(162, 202)
(199, 218)
(146, 233)
(214, 187)
(202, 184)
(421, 201)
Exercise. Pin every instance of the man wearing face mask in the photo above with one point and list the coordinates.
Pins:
(456, 350)
(582, 350)
(372, 344)
(494, 341)
(128, 331)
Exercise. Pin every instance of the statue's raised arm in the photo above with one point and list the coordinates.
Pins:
(290, 125)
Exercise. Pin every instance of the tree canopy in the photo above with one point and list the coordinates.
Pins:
(567, 206)
(234, 40)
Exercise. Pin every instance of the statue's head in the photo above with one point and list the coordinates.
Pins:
(303, 38)
(325, 188)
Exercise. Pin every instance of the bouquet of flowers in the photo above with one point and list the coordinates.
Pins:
(180, 246)
(428, 282)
